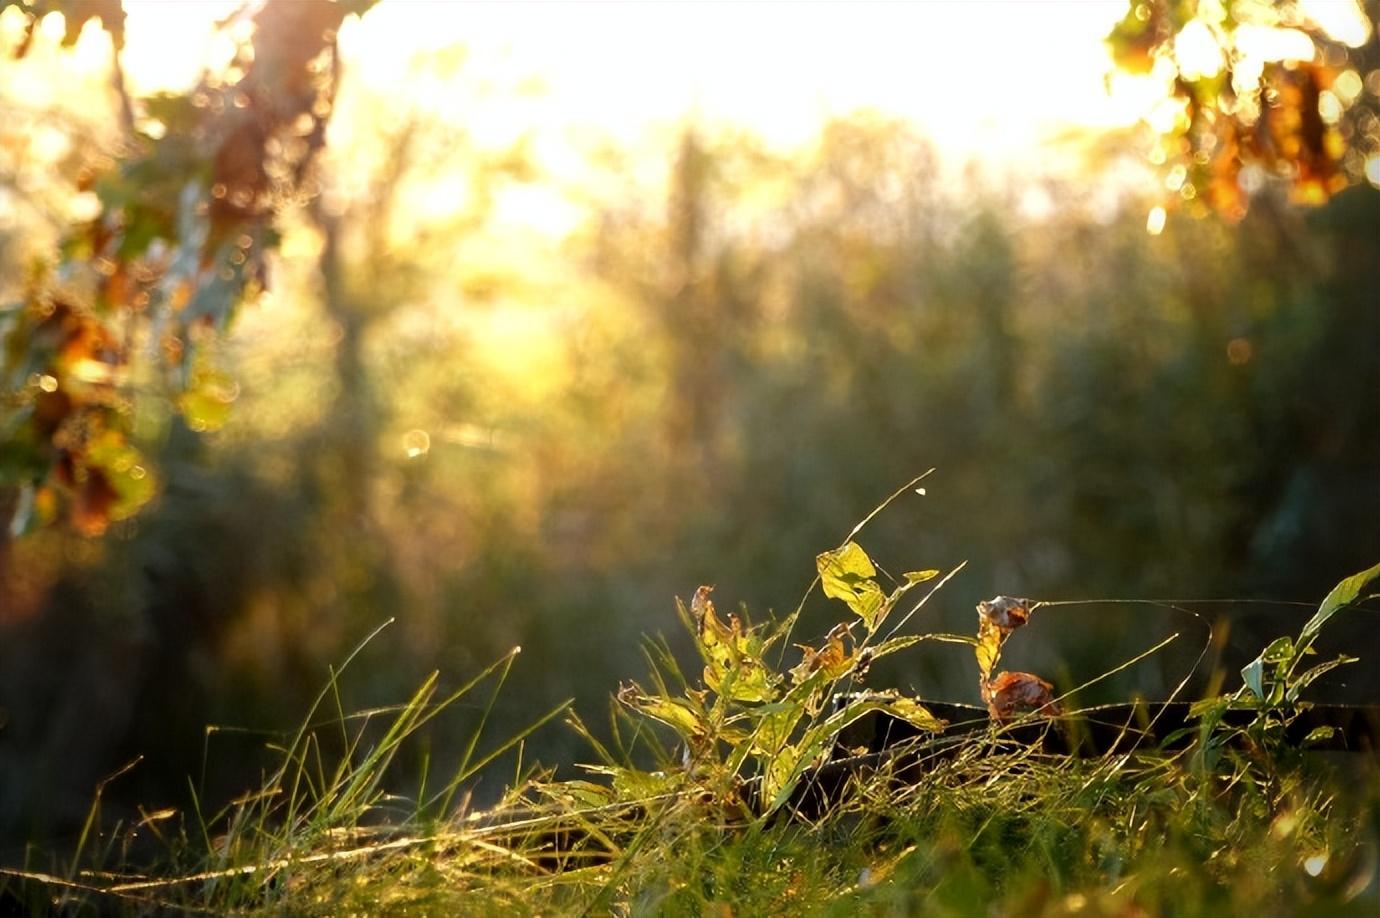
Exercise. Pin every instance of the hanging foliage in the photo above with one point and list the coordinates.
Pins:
(1257, 91)
(184, 226)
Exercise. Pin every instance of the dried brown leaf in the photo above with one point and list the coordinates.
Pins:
(1013, 694)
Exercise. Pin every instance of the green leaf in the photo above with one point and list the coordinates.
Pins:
(779, 778)
(847, 573)
(675, 714)
(748, 680)
(901, 643)
(1253, 674)
(1210, 709)
(1280, 650)
(1319, 734)
(581, 793)
(898, 643)
(1341, 594)
(914, 577)
(1309, 677)
(785, 770)
(946, 638)
(634, 784)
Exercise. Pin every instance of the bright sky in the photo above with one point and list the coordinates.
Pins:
(986, 78)
(981, 77)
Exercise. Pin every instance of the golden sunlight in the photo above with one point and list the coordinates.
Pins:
(984, 80)
(348, 346)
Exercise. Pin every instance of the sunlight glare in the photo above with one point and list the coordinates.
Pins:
(1373, 170)
(1154, 221)
(1197, 51)
(1261, 43)
(416, 443)
(1342, 19)
(169, 42)
(984, 81)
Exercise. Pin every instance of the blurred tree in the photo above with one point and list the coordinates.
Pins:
(1240, 115)
(180, 238)
(692, 326)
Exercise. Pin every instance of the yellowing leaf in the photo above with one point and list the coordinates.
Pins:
(779, 777)
(208, 400)
(914, 577)
(678, 715)
(833, 659)
(988, 647)
(774, 729)
(847, 573)
(732, 654)
(913, 713)
(117, 482)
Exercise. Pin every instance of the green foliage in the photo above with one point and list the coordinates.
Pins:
(851, 314)
(752, 726)
(1343, 594)
(1272, 687)
(847, 574)
(1270, 679)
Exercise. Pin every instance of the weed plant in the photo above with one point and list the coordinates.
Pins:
(696, 802)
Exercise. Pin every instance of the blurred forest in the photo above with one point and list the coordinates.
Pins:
(501, 437)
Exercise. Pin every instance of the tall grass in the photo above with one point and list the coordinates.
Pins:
(694, 801)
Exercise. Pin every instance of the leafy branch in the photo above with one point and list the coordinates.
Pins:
(181, 239)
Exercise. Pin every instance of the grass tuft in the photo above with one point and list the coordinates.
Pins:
(709, 797)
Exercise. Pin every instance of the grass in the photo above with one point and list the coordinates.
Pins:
(694, 806)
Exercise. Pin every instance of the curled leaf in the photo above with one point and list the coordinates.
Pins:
(732, 654)
(700, 603)
(1005, 612)
(1012, 694)
(833, 659)
(997, 618)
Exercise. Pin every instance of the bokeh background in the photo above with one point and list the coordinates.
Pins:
(611, 301)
